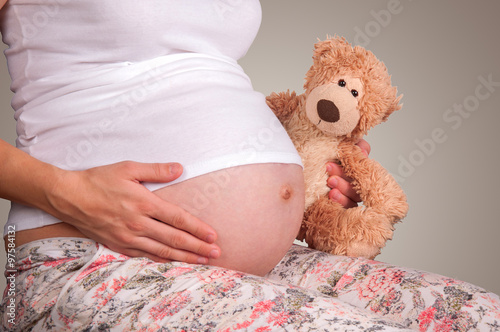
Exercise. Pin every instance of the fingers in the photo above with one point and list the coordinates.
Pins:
(179, 232)
(180, 219)
(337, 196)
(333, 169)
(162, 242)
(344, 187)
(365, 146)
(152, 172)
(178, 245)
(342, 190)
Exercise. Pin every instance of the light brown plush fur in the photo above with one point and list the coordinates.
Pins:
(347, 92)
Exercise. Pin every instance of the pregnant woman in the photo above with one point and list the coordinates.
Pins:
(153, 188)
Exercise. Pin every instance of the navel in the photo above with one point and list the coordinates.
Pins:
(286, 192)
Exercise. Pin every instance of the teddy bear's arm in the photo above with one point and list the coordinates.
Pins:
(283, 104)
(376, 187)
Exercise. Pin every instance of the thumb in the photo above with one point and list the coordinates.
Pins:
(156, 172)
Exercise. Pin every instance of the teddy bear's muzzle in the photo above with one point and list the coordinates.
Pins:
(328, 111)
(333, 109)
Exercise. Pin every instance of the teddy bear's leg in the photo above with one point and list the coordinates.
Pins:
(358, 231)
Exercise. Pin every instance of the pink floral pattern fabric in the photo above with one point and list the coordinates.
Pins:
(78, 285)
(420, 300)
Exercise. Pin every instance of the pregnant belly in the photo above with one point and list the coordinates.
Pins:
(255, 209)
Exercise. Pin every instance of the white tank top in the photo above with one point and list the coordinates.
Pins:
(101, 81)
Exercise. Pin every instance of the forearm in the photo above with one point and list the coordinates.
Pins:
(24, 179)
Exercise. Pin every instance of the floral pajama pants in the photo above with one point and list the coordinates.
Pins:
(74, 284)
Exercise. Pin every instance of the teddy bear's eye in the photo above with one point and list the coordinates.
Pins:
(354, 93)
(342, 83)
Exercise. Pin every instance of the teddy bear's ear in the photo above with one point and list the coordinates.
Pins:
(329, 56)
(394, 106)
(323, 48)
(376, 107)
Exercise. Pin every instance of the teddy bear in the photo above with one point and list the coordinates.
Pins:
(347, 92)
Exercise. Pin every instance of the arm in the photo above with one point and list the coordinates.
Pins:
(375, 186)
(342, 189)
(109, 205)
(283, 104)
(2, 2)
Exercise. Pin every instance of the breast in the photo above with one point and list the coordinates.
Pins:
(255, 209)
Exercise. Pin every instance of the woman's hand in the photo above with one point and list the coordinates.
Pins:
(342, 191)
(110, 205)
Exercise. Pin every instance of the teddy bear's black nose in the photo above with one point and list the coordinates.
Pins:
(327, 111)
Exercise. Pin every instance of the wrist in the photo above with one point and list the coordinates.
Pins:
(25, 179)
(58, 193)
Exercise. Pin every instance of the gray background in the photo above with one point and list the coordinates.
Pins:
(436, 52)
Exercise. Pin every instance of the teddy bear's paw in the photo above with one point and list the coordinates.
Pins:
(362, 249)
